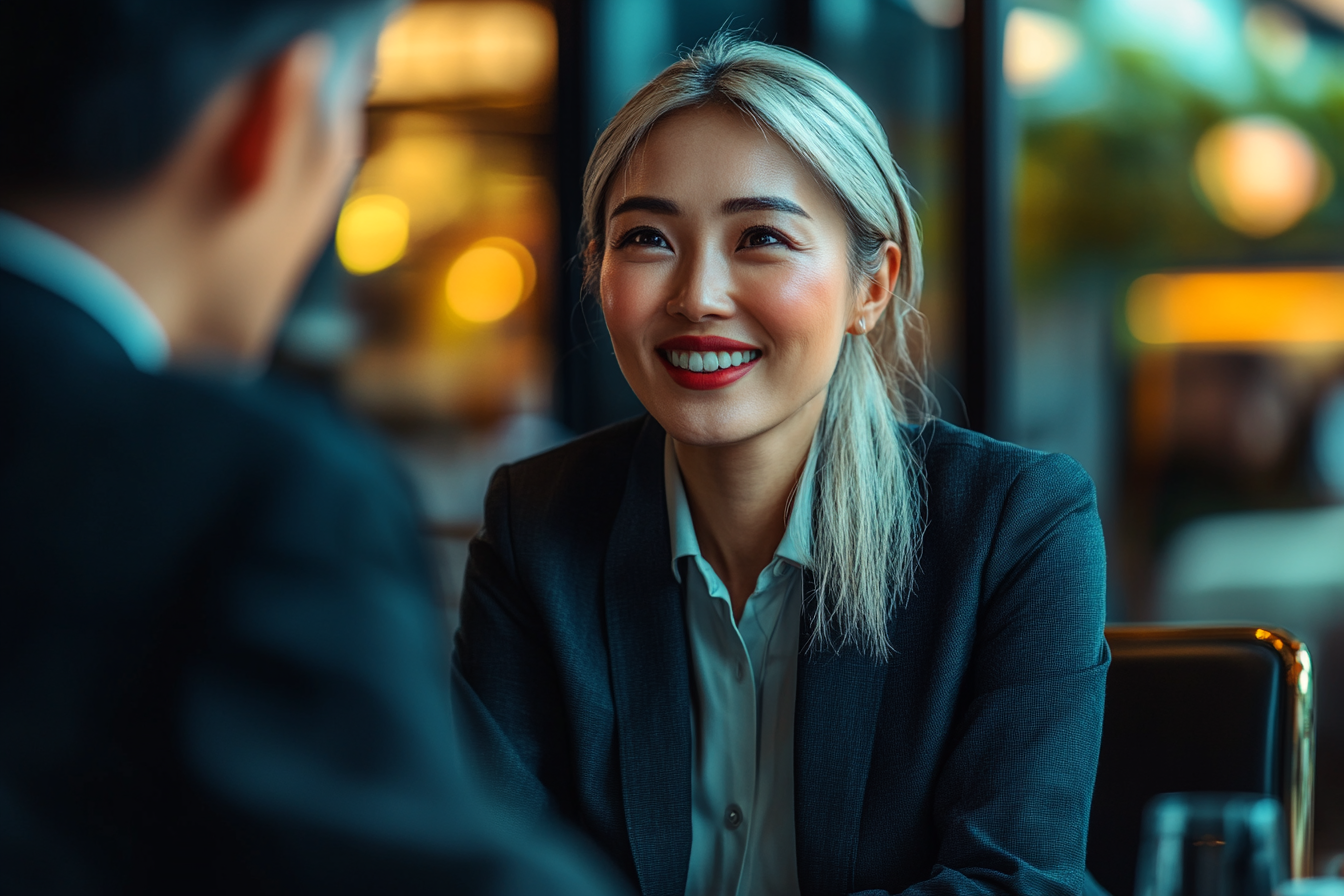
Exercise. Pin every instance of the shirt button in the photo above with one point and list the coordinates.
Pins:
(733, 817)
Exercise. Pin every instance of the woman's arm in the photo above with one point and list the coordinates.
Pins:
(1013, 797)
(506, 695)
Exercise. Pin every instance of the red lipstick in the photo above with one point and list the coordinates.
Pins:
(671, 350)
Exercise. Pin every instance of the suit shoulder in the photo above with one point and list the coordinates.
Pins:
(951, 452)
(270, 429)
(585, 466)
(970, 474)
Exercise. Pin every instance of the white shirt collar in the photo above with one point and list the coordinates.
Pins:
(58, 265)
(793, 547)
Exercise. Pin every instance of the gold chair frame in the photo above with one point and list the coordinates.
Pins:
(1299, 736)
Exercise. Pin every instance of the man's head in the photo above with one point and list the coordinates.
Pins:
(199, 147)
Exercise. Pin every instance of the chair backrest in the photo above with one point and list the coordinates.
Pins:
(1225, 708)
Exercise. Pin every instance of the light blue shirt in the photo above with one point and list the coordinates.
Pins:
(744, 678)
(58, 265)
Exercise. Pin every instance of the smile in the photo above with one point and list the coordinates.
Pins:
(707, 362)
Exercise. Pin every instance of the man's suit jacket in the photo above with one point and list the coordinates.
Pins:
(963, 765)
(221, 664)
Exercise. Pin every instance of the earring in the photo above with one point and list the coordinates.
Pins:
(863, 325)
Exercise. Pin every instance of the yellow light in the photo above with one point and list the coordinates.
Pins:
(1262, 634)
(1261, 174)
(434, 51)
(372, 233)
(427, 165)
(1238, 307)
(490, 279)
(1037, 48)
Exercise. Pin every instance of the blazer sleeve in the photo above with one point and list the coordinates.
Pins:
(317, 713)
(1013, 798)
(506, 692)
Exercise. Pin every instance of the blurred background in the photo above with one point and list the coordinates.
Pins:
(1134, 240)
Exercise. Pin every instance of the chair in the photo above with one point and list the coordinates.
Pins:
(1221, 708)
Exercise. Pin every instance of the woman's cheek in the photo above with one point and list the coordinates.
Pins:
(800, 307)
(626, 316)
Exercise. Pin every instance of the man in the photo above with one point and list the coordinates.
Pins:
(221, 666)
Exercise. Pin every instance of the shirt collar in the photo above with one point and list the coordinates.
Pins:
(58, 265)
(793, 547)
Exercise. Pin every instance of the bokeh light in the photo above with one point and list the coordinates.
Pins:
(427, 165)
(1238, 307)
(1330, 10)
(940, 13)
(1261, 174)
(372, 233)
(490, 279)
(1038, 47)
(434, 51)
(1276, 36)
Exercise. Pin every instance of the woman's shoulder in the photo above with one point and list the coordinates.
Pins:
(595, 460)
(579, 479)
(555, 509)
(961, 466)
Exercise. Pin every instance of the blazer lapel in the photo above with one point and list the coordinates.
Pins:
(835, 721)
(650, 674)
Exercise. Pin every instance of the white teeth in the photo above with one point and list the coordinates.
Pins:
(708, 362)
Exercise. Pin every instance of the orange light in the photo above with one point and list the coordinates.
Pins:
(1238, 307)
(1261, 174)
(434, 51)
(490, 279)
(1262, 634)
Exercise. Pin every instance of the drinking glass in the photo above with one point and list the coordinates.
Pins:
(1211, 844)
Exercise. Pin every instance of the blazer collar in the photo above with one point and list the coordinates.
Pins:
(650, 674)
(835, 723)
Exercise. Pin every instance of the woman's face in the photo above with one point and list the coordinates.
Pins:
(722, 247)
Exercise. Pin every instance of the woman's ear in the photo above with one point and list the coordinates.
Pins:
(876, 292)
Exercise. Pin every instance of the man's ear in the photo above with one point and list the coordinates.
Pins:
(274, 95)
(248, 154)
(877, 291)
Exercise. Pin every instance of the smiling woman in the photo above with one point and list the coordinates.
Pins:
(782, 635)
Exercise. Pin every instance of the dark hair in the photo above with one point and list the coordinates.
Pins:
(94, 93)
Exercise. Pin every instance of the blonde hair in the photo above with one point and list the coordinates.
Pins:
(868, 487)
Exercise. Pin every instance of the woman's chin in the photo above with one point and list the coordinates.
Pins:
(707, 428)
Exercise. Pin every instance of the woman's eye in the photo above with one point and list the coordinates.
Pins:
(754, 239)
(651, 239)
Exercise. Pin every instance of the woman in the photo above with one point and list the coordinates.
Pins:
(773, 638)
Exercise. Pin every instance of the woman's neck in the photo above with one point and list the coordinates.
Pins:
(739, 497)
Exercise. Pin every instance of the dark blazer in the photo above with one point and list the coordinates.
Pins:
(222, 666)
(963, 765)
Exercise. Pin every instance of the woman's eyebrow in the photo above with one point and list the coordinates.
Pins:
(763, 204)
(646, 204)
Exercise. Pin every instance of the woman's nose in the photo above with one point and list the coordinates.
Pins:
(703, 290)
